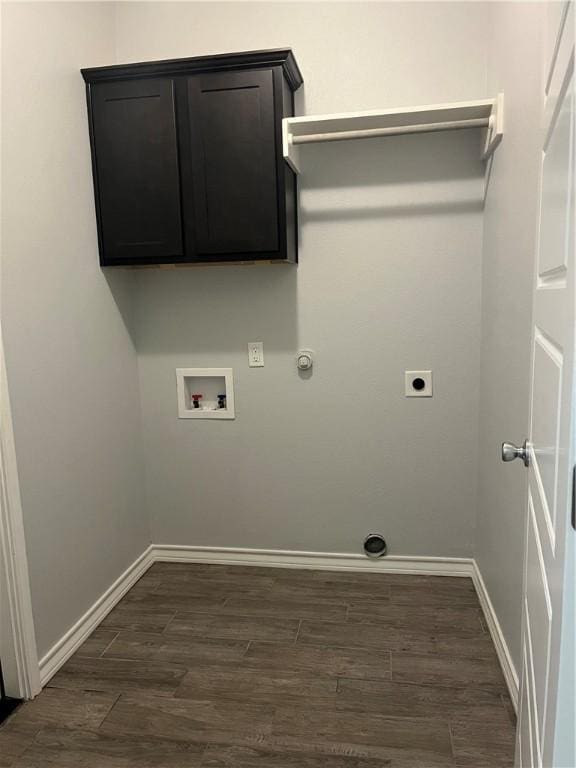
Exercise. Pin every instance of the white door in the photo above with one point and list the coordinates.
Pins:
(549, 531)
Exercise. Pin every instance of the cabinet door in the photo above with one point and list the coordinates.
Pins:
(136, 158)
(233, 163)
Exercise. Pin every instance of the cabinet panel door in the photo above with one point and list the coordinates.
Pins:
(136, 158)
(233, 162)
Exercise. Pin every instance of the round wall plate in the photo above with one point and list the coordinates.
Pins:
(375, 545)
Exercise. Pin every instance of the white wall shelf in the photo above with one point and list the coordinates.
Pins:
(210, 383)
(485, 114)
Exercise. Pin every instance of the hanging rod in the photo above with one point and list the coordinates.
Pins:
(373, 133)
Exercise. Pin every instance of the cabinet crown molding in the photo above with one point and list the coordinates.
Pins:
(283, 57)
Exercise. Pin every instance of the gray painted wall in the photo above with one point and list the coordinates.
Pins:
(71, 362)
(389, 280)
(508, 256)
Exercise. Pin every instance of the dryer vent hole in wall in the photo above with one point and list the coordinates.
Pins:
(375, 545)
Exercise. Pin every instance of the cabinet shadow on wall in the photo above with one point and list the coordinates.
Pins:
(216, 309)
(121, 285)
(392, 178)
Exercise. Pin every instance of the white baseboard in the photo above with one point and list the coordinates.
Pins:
(433, 566)
(76, 635)
(279, 558)
(504, 656)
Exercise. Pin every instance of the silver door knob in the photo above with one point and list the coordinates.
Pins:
(511, 452)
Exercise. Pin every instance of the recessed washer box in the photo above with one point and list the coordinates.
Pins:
(211, 384)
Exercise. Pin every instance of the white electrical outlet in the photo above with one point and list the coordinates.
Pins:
(418, 383)
(256, 354)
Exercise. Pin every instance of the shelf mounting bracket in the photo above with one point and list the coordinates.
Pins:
(495, 130)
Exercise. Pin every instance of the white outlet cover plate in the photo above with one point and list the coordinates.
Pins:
(256, 354)
(410, 376)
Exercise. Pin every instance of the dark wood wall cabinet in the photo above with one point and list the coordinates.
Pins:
(187, 159)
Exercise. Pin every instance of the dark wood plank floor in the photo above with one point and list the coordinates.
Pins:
(225, 666)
